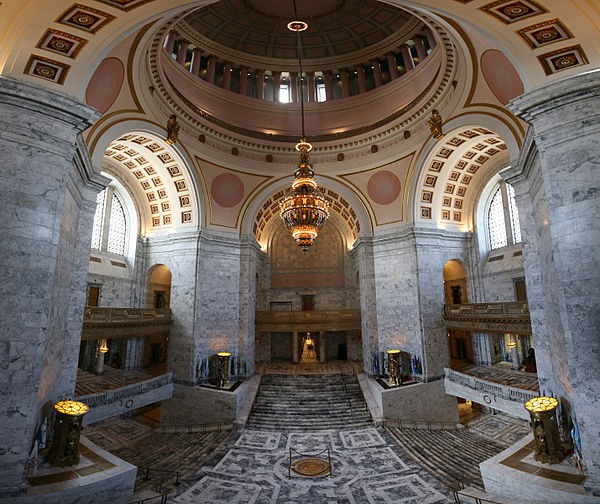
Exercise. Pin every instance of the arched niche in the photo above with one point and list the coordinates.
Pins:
(159, 287)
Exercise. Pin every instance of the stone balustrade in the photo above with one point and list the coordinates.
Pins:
(104, 322)
(510, 400)
(121, 400)
(325, 320)
(511, 317)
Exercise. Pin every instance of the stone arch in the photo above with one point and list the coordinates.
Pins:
(447, 185)
(159, 281)
(455, 276)
(161, 176)
(347, 210)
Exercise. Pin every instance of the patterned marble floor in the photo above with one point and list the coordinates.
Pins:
(288, 368)
(505, 376)
(91, 383)
(368, 468)
(502, 429)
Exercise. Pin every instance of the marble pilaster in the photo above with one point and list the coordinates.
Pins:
(557, 182)
(49, 189)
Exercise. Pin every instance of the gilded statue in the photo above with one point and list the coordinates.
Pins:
(435, 124)
(172, 130)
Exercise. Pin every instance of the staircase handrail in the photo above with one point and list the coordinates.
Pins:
(416, 425)
(347, 395)
(457, 488)
(202, 427)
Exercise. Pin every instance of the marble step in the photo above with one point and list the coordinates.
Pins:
(449, 455)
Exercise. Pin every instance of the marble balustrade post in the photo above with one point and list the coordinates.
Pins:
(556, 182)
(49, 188)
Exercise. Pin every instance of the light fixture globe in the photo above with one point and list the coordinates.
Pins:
(304, 209)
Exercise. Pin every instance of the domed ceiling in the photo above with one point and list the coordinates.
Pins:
(336, 27)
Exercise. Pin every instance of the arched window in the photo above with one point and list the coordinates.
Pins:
(117, 227)
(496, 222)
(503, 207)
(110, 225)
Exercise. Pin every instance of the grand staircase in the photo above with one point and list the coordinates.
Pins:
(448, 455)
(309, 402)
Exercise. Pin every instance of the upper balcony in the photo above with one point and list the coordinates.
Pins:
(511, 317)
(104, 322)
(313, 321)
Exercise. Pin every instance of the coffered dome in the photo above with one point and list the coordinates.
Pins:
(336, 27)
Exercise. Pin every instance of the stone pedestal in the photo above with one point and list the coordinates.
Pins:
(557, 183)
(47, 208)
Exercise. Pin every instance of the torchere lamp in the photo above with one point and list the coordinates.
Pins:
(546, 439)
(394, 367)
(64, 448)
(223, 369)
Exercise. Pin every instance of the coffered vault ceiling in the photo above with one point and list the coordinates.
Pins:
(336, 27)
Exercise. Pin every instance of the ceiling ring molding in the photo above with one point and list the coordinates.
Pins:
(220, 138)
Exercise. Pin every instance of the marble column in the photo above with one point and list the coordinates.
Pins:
(211, 69)
(243, 81)
(421, 51)
(409, 64)
(249, 258)
(170, 42)
(227, 76)
(260, 84)
(295, 347)
(322, 358)
(345, 83)
(182, 52)
(310, 76)
(100, 360)
(294, 96)
(391, 59)
(276, 85)
(328, 85)
(196, 57)
(376, 72)
(430, 38)
(556, 181)
(49, 188)
(362, 81)
(481, 349)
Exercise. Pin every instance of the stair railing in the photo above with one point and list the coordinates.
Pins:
(415, 425)
(147, 474)
(347, 395)
(459, 488)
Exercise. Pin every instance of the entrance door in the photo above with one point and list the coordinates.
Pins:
(93, 295)
(461, 348)
(159, 299)
(456, 294)
(307, 303)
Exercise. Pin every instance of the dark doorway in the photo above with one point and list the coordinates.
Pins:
(159, 299)
(456, 294)
(308, 303)
(155, 353)
(520, 290)
(461, 349)
(93, 295)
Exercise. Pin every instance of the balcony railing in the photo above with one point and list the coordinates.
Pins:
(512, 317)
(326, 320)
(104, 322)
(505, 398)
(121, 400)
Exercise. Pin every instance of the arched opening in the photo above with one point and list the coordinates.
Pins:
(455, 292)
(159, 287)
